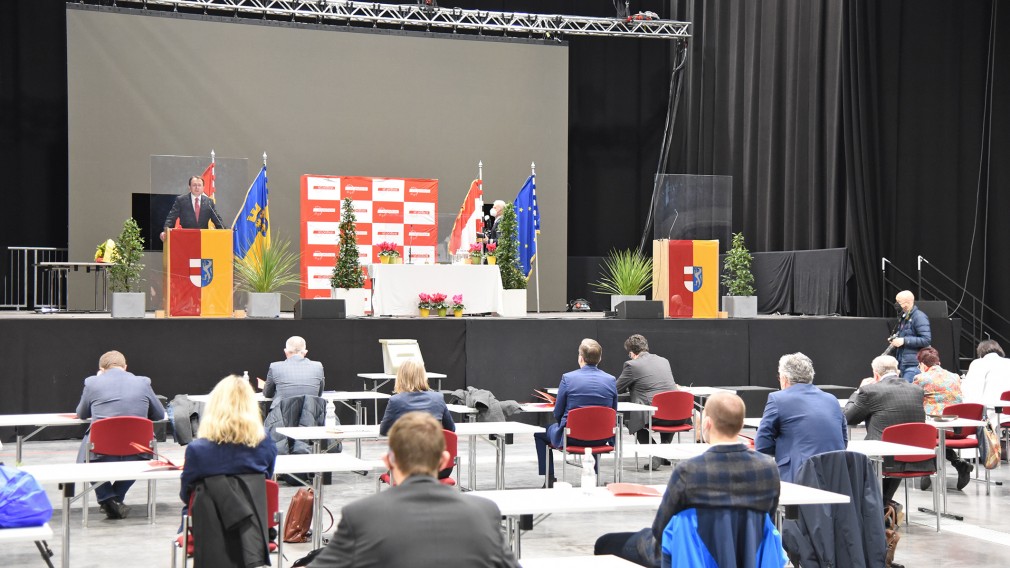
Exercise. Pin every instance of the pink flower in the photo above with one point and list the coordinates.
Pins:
(457, 299)
(424, 297)
(475, 247)
(491, 247)
(438, 297)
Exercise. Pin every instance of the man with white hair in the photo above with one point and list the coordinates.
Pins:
(800, 420)
(496, 211)
(912, 334)
(296, 375)
(884, 401)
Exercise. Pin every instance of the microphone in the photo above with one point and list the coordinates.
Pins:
(676, 214)
(410, 241)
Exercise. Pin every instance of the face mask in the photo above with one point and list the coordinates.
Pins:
(897, 308)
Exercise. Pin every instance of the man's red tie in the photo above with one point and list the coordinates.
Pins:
(196, 209)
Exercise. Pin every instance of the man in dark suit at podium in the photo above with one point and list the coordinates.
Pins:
(193, 210)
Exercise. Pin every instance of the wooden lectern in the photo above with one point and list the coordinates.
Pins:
(198, 273)
(685, 276)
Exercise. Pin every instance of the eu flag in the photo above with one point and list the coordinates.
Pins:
(252, 224)
(528, 221)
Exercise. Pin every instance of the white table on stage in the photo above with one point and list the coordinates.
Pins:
(516, 502)
(397, 286)
(539, 407)
(41, 420)
(67, 475)
(604, 561)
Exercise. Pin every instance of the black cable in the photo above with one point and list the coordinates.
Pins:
(673, 103)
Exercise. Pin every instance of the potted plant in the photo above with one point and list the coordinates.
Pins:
(476, 253)
(424, 304)
(627, 274)
(507, 252)
(347, 282)
(262, 273)
(738, 280)
(490, 254)
(124, 274)
(388, 253)
(457, 305)
(438, 303)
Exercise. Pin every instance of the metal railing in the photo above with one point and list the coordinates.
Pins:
(23, 290)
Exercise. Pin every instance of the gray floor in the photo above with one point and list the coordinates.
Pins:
(982, 539)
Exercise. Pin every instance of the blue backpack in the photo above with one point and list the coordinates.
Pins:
(23, 503)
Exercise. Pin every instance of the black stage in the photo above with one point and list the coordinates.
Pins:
(46, 358)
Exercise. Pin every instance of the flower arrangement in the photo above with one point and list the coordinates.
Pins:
(388, 249)
(438, 301)
(491, 247)
(424, 301)
(476, 253)
(457, 303)
(105, 251)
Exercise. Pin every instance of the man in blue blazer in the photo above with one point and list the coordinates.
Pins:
(800, 420)
(586, 386)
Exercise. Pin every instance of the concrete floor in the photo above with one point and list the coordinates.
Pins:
(982, 539)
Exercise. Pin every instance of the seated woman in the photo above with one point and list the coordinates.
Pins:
(411, 393)
(231, 439)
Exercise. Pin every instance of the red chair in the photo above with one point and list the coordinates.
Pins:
(275, 519)
(451, 446)
(964, 438)
(1004, 425)
(113, 437)
(671, 405)
(586, 423)
(920, 435)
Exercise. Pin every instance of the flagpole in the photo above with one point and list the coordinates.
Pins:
(536, 246)
(264, 159)
(480, 214)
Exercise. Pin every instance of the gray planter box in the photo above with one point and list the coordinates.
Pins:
(263, 305)
(740, 306)
(128, 304)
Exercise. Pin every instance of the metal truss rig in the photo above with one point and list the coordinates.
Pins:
(429, 18)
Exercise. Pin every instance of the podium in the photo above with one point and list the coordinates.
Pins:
(198, 269)
(685, 276)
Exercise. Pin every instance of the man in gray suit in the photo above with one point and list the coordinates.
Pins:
(645, 375)
(115, 392)
(419, 522)
(886, 400)
(296, 375)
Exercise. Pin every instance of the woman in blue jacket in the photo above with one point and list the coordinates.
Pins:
(410, 394)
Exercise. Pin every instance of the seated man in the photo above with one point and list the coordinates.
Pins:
(727, 475)
(645, 375)
(586, 386)
(296, 375)
(115, 392)
(940, 388)
(418, 522)
(800, 420)
(884, 401)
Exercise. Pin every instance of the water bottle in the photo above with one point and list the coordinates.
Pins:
(331, 416)
(588, 472)
(245, 377)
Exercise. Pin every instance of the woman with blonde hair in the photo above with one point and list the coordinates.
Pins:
(231, 439)
(412, 394)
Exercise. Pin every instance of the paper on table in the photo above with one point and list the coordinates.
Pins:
(156, 464)
(545, 396)
(634, 489)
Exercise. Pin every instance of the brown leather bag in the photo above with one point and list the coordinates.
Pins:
(298, 518)
(891, 536)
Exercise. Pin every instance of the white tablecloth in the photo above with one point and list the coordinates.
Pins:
(397, 286)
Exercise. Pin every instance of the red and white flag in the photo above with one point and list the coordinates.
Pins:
(469, 221)
(208, 181)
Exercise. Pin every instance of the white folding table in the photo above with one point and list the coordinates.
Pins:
(41, 420)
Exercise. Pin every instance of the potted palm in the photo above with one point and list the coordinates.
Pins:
(738, 280)
(262, 273)
(627, 275)
(347, 282)
(507, 254)
(124, 274)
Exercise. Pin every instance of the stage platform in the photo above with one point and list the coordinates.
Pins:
(47, 356)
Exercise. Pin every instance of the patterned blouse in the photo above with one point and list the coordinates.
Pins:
(940, 388)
